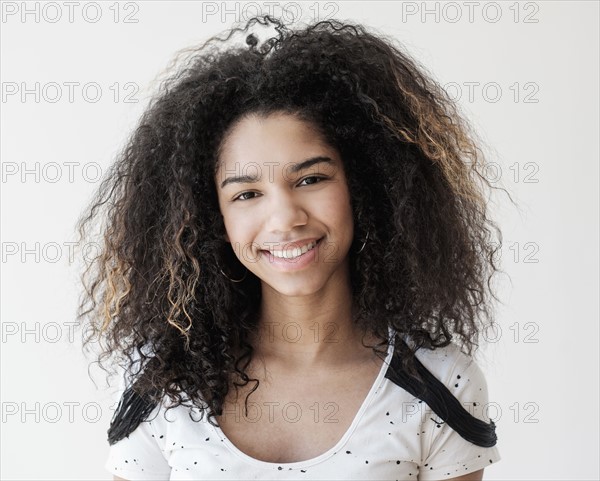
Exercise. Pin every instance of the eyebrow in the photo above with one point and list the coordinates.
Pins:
(295, 168)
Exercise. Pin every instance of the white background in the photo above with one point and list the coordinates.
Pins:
(541, 57)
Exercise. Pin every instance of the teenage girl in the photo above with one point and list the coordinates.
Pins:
(296, 267)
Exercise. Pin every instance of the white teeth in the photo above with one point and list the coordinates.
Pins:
(293, 253)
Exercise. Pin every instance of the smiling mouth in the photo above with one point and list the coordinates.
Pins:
(295, 252)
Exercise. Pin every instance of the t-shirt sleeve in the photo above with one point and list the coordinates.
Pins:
(140, 456)
(445, 453)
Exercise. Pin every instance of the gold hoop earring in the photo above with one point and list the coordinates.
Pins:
(364, 243)
(234, 280)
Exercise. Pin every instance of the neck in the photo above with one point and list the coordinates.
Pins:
(305, 332)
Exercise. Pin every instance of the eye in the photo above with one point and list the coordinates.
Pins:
(243, 195)
(315, 179)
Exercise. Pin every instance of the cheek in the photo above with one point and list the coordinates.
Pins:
(335, 212)
(237, 227)
(336, 207)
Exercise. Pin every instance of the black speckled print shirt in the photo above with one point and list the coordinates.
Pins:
(394, 436)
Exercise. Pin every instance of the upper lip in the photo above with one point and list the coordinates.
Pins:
(290, 245)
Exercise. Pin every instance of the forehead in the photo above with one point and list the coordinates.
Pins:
(278, 137)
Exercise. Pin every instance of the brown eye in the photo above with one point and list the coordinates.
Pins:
(315, 179)
(243, 194)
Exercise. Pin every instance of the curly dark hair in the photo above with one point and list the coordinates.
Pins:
(155, 298)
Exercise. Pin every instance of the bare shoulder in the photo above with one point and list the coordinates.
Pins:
(116, 478)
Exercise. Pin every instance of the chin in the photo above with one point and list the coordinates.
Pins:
(295, 289)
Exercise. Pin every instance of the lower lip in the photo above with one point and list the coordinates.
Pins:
(295, 264)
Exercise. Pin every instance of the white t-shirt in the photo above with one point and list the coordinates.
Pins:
(393, 436)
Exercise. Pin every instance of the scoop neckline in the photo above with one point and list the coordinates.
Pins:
(330, 452)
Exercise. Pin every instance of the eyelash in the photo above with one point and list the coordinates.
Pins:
(319, 177)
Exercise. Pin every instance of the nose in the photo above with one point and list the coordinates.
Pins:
(285, 211)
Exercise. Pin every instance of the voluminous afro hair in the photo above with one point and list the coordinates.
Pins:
(155, 298)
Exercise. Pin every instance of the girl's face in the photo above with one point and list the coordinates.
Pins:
(285, 203)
